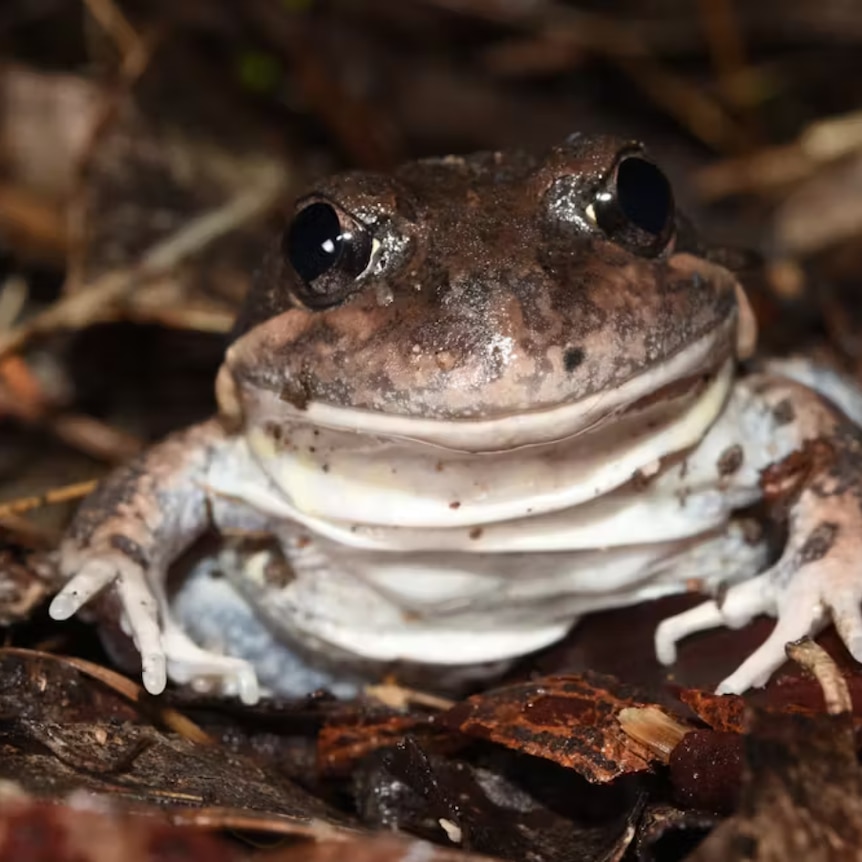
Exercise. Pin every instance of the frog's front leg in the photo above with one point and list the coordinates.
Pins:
(808, 458)
(126, 535)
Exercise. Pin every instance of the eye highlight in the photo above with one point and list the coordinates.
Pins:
(314, 241)
(635, 206)
(328, 250)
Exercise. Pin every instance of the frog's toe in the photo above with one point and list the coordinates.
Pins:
(86, 582)
(803, 608)
(672, 630)
(209, 672)
(90, 573)
(737, 607)
(141, 619)
(756, 670)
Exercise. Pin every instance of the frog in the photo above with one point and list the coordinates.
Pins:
(469, 401)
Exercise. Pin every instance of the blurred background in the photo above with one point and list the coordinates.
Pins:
(149, 151)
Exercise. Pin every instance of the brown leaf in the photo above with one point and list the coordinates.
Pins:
(347, 739)
(724, 712)
(571, 720)
(793, 695)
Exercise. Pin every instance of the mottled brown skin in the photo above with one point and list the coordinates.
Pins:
(497, 293)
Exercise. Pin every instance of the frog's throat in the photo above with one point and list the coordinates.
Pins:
(337, 484)
(692, 368)
(320, 474)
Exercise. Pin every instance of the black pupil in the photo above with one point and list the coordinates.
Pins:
(644, 195)
(314, 241)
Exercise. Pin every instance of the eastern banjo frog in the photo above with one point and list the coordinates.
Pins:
(473, 400)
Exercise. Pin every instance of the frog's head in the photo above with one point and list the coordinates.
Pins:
(471, 289)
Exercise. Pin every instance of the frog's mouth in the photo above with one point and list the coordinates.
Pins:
(349, 466)
(669, 386)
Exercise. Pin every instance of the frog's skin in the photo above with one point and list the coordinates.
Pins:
(501, 392)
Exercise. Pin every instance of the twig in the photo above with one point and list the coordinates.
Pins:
(398, 697)
(821, 143)
(27, 534)
(724, 37)
(133, 49)
(89, 304)
(13, 298)
(692, 106)
(203, 230)
(195, 318)
(122, 685)
(820, 664)
(702, 115)
(63, 494)
(94, 437)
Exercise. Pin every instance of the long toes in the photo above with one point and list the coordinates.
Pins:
(89, 580)
(236, 678)
(209, 672)
(141, 611)
(755, 671)
(247, 686)
(672, 630)
(229, 678)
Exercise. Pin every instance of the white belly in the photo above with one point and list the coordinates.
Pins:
(488, 589)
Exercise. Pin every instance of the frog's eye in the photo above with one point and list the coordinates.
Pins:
(328, 249)
(635, 207)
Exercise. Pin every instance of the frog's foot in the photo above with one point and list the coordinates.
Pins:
(802, 594)
(207, 671)
(166, 652)
(89, 574)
